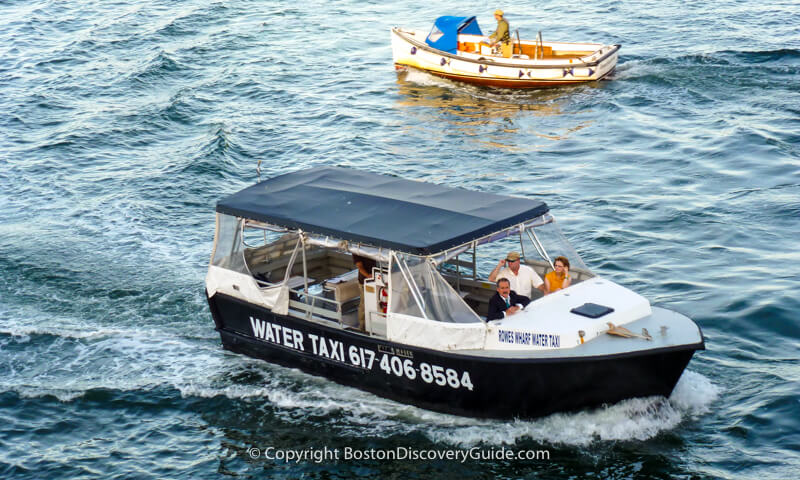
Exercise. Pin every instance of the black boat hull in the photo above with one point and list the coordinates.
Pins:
(452, 383)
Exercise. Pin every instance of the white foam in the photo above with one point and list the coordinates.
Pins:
(633, 419)
(290, 391)
(639, 418)
(231, 391)
(694, 393)
(368, 415)
(36, 392)
(426, 79)
(123, 360)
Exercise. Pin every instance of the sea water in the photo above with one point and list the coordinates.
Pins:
(124, 122)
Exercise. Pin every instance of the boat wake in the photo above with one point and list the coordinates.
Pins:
(197, 368)
(633, 419)
(355, 414)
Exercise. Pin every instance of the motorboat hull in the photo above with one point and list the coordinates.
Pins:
(454, 383)
(493, 71)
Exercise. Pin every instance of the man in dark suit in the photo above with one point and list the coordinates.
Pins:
(506, 301)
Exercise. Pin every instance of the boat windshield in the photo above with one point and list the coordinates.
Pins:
(435, 34)
(546, 242)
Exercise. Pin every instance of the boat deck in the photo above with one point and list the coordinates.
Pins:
(680, 333)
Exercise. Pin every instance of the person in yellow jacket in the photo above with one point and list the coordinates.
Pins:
(501, 35)
(559, 278)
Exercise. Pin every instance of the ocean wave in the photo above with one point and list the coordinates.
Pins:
(704, 75)
(159, 67)
(781, 55)
(716, 58)
(63, 396)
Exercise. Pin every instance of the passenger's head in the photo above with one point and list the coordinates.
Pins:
(503, 286)
(498, 14)
(512, 261)
(560, 263)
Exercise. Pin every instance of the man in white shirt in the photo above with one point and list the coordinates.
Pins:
(522, 277)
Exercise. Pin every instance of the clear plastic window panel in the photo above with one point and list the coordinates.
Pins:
(555, 244)
(268, 252)
(229, 252)
(419, 290)
(435, 34)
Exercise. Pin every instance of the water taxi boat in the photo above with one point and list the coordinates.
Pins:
(282, 287)
(453, 50)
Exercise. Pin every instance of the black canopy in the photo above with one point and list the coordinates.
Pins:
(412, 217)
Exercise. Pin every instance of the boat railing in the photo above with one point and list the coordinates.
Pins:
(307, 304)
(310, 306)
(317, 305)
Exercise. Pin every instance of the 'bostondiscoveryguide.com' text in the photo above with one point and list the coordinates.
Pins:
(320, 455)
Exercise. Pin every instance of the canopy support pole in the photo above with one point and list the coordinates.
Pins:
(305, 275)
(474, 261)
(539, 247)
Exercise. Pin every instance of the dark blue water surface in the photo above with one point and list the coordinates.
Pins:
(122, 123)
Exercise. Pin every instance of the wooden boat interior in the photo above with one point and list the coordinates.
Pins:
(468, 45)
(531, 50)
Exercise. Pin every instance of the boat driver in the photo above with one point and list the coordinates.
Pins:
(505, 302)
(522, 277)
(501, 35)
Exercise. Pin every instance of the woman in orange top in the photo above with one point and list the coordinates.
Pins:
(559, 278)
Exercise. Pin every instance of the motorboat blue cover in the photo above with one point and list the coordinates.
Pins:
(444, 34)
(379, 210)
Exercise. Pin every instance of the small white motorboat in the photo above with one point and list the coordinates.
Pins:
(453, 50)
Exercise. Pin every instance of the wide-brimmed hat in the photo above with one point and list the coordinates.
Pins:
(498, 12)
(512, 256)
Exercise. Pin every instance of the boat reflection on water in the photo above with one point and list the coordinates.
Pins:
(510, 120)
